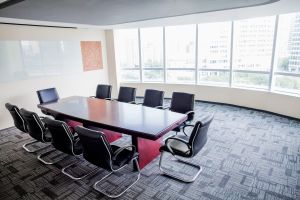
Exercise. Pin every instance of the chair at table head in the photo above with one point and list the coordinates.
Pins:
(153, 98)
(48, 95)
(36, 128)
(198, 137)
(103, 91)
(62, 137)
(17, 117)
(127, 94)
(187, 146)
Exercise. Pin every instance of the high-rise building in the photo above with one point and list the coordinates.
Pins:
(294, 45)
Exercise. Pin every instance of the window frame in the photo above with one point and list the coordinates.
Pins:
(271, 73)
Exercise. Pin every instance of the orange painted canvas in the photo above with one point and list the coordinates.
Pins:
(91, 55)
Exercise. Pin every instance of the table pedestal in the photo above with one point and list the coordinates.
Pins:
(148, 149)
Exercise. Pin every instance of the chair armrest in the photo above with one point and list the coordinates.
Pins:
(137, 103)
(132, 102)
(178, 139)
(163, 107)
(92, 96)
(190, 112)
(116, 153)
(187, 125)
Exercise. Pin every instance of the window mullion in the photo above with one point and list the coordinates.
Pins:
(140, 55)
(273, 53)
(231, 55)
(164, 54)
(196, 57)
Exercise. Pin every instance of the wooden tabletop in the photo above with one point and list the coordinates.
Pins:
(136, 120)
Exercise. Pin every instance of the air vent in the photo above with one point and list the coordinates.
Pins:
(7, 3)
(49, 26)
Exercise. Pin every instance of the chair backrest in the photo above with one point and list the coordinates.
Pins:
(96, 148)
(48, 95)
(182, 102)
(17, 117)
(36, 128)
(103, 91)
(126, 94)
(62, 137)
(153, 98)
(198, 136)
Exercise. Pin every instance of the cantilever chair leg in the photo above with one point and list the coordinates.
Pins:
(45, 154)
(35, 150)
(115, 196)
(176, 176)
(64, 171)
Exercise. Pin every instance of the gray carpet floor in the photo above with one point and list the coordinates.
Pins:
(249, 155)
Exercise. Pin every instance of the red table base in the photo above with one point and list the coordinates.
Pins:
(148, 150)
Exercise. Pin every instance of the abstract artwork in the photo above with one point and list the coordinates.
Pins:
(91, 55)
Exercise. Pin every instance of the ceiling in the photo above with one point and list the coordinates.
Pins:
(112, 12)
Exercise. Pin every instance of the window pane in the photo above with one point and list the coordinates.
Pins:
(287, 83)
(127, 48)
(214, 77)
(214, 41)
(152, 47)
(253, 43)
(130, 75)
(181, 76)
(153, 75)
(253, 80)
(288, 44)
(180, 46)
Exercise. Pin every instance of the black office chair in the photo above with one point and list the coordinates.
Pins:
(103, 91)
(99, 152)
(65, 141)
(48, 95)
(36, 129)
(153, 98)
(186, 147)
(183, 103)
(19, 122)
(127, 94)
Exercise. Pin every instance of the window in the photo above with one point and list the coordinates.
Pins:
(287, 59)
(214, 46)
(180, 53)
(239, 53)
(252, 52)
(152, 55)
(128, 54)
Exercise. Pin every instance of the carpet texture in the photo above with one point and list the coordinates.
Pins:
(249, 155)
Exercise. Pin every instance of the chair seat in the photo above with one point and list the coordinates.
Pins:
(123, 158)
(179, 148)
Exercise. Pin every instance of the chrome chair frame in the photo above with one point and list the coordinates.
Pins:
(64, 171)
(35, 150)
(113, 171)
(192, 179)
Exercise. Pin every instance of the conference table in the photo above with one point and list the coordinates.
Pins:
(145, 125)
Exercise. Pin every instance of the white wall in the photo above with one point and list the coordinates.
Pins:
(23, 93)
